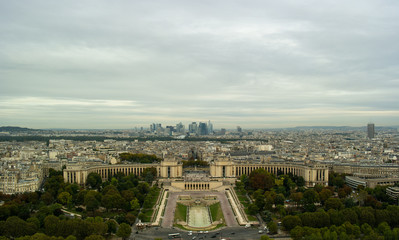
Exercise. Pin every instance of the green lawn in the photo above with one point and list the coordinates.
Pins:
(181, 212)
(155, 196)
(146, 215)
(245, 202)
(147, 212)
(216, 211)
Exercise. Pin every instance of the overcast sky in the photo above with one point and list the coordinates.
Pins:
(122, 64)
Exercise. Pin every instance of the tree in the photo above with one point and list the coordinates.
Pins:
(51, 224)
(258, 193)
(47, 198)
(269, 202)
(128, 195)
(272, 226)
(112, 226)
(94, 180)
(134, 204)
(16, 227)
(325, 194)
(260, 179)
(264, 237)
(297, 233)
(382, 216)
(149, 174)
(139, 158)
(366, 215)
(130, 218)
(288, 183)
(366, 229)
(35, 221)
(91, 200)
(143, 187)
(253, 209)
(290, 222)
(316, 219)
(318, 188)
(341, 193)
(64, 198)
(333, 203)
(70, 237)
(349, 214)
(310, 197)
(124, 231)
(296, 197)
(260, 202)
(95, 237)
(245, 180)
(55, 183)
(113, 200)
(336, 217)
(279, 199)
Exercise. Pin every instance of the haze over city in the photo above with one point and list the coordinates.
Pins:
(258, 64)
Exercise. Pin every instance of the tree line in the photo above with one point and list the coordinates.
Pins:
(139, 158)
(106, 208)
(335, 211)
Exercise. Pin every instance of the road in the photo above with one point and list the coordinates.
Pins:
(233, 233)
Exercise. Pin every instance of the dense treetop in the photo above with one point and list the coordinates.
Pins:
(74, 212)
(139, 158)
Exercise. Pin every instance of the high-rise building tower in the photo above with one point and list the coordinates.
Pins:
(210, 127)
(202, 129)
(180, 128)
(370, 130)
(193, 127)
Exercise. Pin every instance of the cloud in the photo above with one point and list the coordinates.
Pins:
(263, 63)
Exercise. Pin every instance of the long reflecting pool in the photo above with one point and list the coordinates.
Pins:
(198, 216)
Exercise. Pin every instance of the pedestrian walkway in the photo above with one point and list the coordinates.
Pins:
(160, 208)
(171, 207)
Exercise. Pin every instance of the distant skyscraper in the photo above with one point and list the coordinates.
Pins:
(169, 130)
(202, 129)
(193, 127)
(210, 127)
(370, 130)
(239, 129)
(180, 128)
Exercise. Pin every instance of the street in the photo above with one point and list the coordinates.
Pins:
(226, 233)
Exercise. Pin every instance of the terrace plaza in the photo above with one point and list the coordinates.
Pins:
(221, 171)
(197, 189)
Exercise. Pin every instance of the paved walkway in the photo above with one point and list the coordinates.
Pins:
(160, 208)
(224, 203)
(241, 218)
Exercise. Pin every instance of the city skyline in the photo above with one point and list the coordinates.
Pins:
(103, 65)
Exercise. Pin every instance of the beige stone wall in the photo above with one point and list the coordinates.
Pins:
(377, 171)
(78, 173)
(196, 186)
(317, 174)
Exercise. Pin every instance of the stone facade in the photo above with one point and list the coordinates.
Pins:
(312, 174)
(219, 170)
(77, 173)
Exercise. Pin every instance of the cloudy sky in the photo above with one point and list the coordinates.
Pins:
(122, 64)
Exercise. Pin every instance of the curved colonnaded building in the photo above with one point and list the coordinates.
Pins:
(222, 171)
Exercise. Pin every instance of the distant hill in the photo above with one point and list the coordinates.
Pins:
(11, 129)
